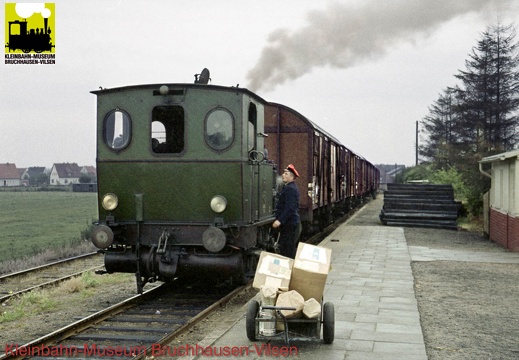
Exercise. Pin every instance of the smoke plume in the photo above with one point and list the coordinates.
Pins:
(343, 35)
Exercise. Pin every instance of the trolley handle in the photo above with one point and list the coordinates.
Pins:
(270, 307)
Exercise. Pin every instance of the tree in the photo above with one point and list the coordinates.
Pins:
(479, 117)
(85, 179)
(439, 125)
(491, 92)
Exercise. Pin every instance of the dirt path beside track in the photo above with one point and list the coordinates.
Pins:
(468, 309)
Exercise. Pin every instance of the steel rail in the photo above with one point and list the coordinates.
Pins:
(40, 267)
(195, 320)
(46, 284)
(80, 325)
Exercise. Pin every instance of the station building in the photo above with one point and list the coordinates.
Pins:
(502, 224)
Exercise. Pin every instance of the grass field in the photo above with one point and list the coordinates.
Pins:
(31, 222)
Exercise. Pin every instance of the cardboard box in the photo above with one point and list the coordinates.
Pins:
(273, 270)
(311, 267)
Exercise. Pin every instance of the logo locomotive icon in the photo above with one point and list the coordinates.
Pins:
(29, 27)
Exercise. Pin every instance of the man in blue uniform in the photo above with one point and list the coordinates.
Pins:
(287, 216)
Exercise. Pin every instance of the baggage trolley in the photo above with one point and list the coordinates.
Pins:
(266, 322)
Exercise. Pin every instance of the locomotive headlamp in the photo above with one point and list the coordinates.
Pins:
(164, 90)
(110, 202)
(218, 204)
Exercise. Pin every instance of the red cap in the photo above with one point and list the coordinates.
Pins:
(292, 169)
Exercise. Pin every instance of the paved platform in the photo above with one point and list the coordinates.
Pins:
(371, 287)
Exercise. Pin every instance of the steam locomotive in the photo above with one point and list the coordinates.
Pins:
(187, 178)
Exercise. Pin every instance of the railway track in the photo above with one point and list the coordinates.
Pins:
(132, 328)
(46, 275)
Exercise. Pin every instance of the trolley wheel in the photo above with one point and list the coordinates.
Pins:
(250, 320)
(328, 323)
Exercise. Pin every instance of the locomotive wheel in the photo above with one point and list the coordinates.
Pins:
(250, 319)
(26, 50)
(328, 323)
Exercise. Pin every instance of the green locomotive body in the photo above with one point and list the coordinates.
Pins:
(184, 184)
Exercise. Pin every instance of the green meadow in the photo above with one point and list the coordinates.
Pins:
(31, 222)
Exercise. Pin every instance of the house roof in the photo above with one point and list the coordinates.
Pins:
(68, 170)
(90, 170)
(9, 171)
(500, 157)
(35, 171)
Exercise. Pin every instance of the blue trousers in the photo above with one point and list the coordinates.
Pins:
(288, 236)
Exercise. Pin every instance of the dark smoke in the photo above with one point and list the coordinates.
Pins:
(343, 35)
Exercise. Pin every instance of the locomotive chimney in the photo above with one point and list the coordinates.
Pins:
(45, 25)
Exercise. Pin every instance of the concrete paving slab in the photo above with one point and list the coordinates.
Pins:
(371, 287)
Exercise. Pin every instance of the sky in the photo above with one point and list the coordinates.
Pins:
(363, 70)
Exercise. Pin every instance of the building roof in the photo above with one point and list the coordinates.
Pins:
(500, 157)
(9, 171)
(91, 170)
(21, 171)
(35, 170)
(68, 170)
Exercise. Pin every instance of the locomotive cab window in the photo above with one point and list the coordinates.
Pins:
(219, 129)
(117, 130)
(167, 129)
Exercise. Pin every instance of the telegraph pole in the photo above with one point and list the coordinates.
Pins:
(416, 152)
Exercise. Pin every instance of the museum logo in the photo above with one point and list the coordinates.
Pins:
(30, 33)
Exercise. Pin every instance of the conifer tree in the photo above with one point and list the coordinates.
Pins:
(480, 117)
(491, 92)
(439, 125)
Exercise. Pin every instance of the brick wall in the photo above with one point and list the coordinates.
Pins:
(504, 230)
(513, 233)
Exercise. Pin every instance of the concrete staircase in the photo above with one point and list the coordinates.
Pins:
(411, 205)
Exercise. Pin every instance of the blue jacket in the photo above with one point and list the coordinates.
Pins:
(288, 205)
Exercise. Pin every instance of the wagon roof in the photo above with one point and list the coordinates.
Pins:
(310, 122)
(316, 127)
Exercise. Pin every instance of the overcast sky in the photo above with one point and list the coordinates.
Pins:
(364, 70)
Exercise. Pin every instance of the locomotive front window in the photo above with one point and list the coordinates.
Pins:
(219, 132)
(117, 130)
(167, 129)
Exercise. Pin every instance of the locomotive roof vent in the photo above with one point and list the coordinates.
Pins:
(202, 78)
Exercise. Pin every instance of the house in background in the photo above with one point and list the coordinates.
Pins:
(502, 206)
(89, 171)
(9, 175)
(20, 173)
(33, 175)
(388, 173)
(65, 174)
